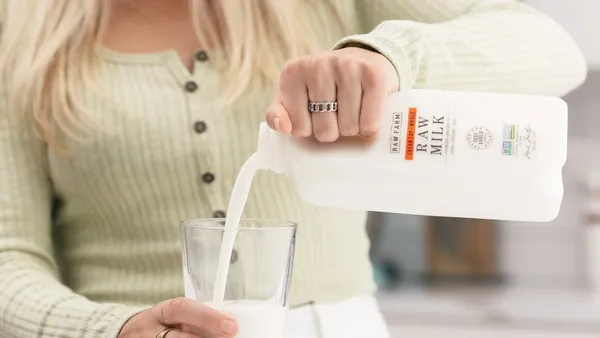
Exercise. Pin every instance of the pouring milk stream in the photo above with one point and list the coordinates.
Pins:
(438, 153)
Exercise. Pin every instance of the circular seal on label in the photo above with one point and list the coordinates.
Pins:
(479, 138)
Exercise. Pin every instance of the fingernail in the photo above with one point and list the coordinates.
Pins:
(277, 123)
(229, 327)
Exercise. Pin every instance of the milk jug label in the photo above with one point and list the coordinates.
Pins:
(480, 138)
(424, 135)
(519, 140)
(396, 133)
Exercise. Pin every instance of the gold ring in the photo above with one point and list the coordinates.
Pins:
(162, 315)
(163, 333)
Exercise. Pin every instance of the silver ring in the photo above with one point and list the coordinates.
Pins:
(163, 333)
(323, 107)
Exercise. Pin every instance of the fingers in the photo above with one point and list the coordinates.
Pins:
(355, 78)
(349, 97)
(294, 97)
(373, 99)
(187, 312)
(278, 118)
(322, 88)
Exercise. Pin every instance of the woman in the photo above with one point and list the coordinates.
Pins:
(120, 118)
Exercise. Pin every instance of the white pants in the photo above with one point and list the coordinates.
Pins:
(357, 317)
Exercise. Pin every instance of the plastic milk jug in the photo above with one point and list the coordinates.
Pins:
(438, 153)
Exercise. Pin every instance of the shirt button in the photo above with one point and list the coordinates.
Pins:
(219, 214)
(234, 257)
(201, 56)
(199, 127)
(208, 178)
(191, 86)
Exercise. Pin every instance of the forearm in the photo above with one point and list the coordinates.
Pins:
(34, 304)
(502, 46)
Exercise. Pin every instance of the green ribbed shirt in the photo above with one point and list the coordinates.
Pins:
(114, 246)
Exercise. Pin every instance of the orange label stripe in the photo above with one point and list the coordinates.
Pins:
(410, 134)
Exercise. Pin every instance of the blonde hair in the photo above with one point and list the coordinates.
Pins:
(48, 51)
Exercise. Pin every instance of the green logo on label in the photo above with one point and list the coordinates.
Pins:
(507, 148)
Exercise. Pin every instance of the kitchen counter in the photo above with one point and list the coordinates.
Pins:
(492, 313)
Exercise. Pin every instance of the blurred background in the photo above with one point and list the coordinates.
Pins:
(477, 278)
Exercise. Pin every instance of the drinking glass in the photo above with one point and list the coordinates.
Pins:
(260, 269)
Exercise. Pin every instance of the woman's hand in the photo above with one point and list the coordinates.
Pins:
(180, 318)
(358, 79)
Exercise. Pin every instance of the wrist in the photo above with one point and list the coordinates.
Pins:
(117, 320)
(391, 74)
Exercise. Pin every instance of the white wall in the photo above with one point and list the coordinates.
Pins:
(578, 17)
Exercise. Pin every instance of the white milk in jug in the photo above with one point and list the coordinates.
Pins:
(438, 153)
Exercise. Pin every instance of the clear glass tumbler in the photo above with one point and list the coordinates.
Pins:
(258, 281)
